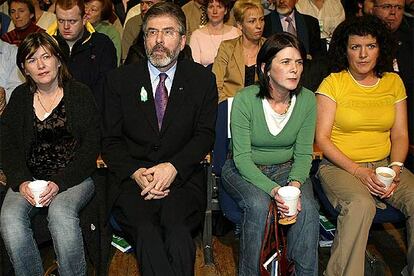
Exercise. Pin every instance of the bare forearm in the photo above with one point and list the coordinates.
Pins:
(331, 152)
(399, 148)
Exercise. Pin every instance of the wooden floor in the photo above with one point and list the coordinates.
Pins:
(225, 255)
(386, 242)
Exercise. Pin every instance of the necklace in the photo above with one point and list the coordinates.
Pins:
(47, 113)
(254, 55)
(287, 108)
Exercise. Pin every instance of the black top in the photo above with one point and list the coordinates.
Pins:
(17, 135)
(53, 146)
(249, 73)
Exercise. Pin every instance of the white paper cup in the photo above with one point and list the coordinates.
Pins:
(385, 175)
(290, 196)
(37, 187)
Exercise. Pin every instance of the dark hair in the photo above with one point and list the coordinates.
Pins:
(225, 3)
(273, 45)
(29, 5)
(106, 8)
(361, 26)
(27, 49)
(168, 9)
(69, 4)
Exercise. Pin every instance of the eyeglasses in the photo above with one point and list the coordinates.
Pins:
(69, 21)
(168, 33)
(388, 7)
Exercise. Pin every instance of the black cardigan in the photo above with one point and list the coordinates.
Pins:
(17, 135)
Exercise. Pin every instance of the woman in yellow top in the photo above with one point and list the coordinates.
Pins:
(362, 125)
(235, 63)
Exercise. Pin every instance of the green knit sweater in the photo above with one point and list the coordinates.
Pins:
(253, 144)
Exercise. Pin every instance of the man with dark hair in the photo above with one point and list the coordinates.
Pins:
(159, 124)
(89, 54)
(402, 28)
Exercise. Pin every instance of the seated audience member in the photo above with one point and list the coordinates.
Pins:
(195, 14)
(98, 12)
(362, 125)
(22, 13)
(235, 63)
(10, 78)
(121, 8)
(135, 10)
(272, 129)
(49, 131)
(402, 28)
(205, 41)
(157, 184)
(357, 7)
(328, 12)
(90, 54)
(137, 52)
(4, 23)
(287, 19)
(133, 27)
(44, 19)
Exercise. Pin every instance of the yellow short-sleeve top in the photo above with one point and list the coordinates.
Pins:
(364, 114)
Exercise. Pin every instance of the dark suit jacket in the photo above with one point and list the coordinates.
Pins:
(307, 28)
(131, 136)
(404, 36)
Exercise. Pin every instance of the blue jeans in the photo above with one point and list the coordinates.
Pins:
(63, 223)
(302, 237)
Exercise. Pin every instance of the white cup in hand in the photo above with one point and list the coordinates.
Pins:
(38, 187)
(290, 196)
(385, 175)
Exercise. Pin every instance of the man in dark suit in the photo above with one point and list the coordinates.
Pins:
(305, 27)
(402, 28)
(159, 124)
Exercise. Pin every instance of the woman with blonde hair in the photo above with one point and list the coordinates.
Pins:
(235, 63)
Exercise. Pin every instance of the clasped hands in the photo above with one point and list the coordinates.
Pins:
(368, 177)
(46, 197)
(155, 181)
(281, 207)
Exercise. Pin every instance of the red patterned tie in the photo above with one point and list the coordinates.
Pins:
(161, 99)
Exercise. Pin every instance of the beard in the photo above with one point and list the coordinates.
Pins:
(163, 59)
(284, 11)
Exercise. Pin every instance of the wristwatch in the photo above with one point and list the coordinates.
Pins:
(396, 163)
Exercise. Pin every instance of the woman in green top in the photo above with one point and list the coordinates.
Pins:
(98, 13)
(272, 127)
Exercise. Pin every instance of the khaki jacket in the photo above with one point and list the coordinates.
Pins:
(229, 67)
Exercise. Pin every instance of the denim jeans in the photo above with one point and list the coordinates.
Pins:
(302, 237)
(63, 223)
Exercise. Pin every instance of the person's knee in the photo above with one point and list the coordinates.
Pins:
(60, 214)
(360, 207)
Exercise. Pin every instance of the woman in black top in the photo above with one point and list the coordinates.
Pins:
(50, 131)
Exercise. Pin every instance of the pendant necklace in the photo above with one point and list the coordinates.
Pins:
(47, 113)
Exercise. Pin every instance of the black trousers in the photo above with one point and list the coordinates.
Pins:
(161, 230)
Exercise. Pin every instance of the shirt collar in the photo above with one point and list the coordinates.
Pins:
(154, 72)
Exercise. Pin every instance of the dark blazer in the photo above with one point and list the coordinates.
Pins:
(17, 135)
(404, 36)
(307, 28)
(131, 138)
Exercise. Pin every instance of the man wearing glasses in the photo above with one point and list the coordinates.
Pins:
(392, 13)
(89, 54)
(159, 124)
